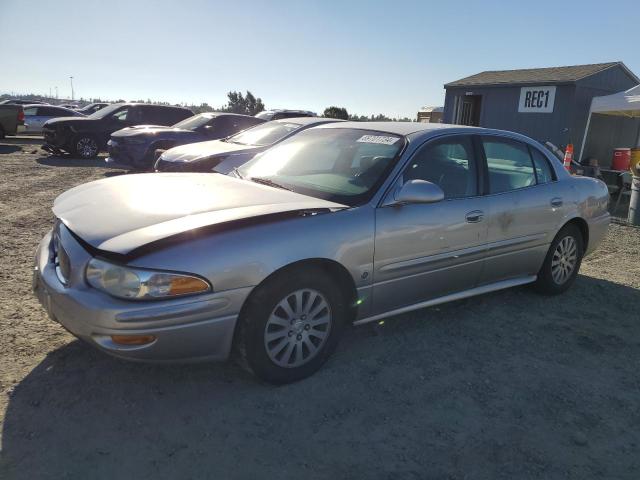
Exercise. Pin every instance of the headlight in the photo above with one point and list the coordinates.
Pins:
(140, 284)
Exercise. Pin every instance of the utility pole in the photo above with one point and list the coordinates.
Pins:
(71, 78)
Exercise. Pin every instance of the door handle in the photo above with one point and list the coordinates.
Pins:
(556, 202)
(474, 216)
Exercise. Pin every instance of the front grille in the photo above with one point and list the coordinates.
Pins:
(61, 260)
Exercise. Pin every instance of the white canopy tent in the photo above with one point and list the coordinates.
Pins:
(623, 104)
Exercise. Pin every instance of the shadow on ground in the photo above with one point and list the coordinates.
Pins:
(7, 149)
(506, 385)
(68, 161)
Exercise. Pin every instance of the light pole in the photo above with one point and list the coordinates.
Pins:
(56, 92)
(71, 78)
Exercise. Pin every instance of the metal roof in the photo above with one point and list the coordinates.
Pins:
(537, 75)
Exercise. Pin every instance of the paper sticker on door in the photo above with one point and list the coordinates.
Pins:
(537, 99)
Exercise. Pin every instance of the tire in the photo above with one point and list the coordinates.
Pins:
(282, 347)
(562, 263)
(85, 146)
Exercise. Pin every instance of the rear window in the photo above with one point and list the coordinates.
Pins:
(509, 164)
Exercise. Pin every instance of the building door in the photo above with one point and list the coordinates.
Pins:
(469, 110)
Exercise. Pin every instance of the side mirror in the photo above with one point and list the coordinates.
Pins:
(418, 191)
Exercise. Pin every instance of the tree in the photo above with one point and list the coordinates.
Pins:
(336, 112)
(247, 105)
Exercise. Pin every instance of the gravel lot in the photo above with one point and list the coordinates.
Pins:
(508, 385)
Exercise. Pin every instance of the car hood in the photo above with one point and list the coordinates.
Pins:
(197, 151)
(123, 213)
(71, 121)
(149, 130)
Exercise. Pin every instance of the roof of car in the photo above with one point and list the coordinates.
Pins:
(151, 105)
(228, 114)
(281, 110)
(399, 128)
(307, 120)
(46, 105)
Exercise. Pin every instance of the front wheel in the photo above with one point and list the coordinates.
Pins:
(85, 146)
(291, 325)
(562, 262)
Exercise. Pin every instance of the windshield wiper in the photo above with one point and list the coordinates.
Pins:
(271, 183)
(237, 173)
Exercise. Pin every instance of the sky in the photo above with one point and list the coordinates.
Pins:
(371, 57)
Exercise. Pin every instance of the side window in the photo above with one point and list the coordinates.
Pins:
(222, 125)
(448, 163)
(509, 165)
(121, 115)
(544, 172)
(31, 111)
(53, 112)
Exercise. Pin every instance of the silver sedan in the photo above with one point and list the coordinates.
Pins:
(342, 223)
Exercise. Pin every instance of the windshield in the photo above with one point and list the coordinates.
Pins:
(106, 111)
(264, 134)
(342, 165)
(195, 122)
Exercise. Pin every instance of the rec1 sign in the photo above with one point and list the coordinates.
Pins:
(537, 99)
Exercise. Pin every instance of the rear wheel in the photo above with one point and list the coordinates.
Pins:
(291, 325)
(562, 262)
(85, 146)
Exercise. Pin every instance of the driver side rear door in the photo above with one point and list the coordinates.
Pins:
(424, 251)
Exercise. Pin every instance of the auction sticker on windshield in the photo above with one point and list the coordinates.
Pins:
(378, 139)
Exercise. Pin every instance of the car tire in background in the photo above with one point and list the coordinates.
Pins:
(290, 325)
(85, 146)
(562, 263)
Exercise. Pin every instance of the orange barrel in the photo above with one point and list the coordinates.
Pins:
(635, 162)
(621, 159)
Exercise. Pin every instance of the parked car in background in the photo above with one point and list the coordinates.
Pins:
(92, 108)
(17, 101)
(86, 137)
(11, 117)
(135, 147)
(222, 156)
(347, 222)
(35, 116)
(278, 114)
(72, 106)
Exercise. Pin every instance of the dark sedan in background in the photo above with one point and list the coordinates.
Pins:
(135, 147)
(85, 137)
(222, 156)
(92, 108)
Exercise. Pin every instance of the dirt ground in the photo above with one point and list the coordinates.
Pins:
(509, 385)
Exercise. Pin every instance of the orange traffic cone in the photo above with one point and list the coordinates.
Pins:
(568, 157)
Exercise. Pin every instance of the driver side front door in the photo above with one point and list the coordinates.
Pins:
(425, 251)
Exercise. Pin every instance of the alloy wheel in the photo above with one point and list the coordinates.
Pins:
(565, 258)
(297, 328)
(87, 147)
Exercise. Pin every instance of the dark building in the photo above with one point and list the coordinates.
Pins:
(547, 104)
